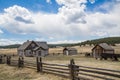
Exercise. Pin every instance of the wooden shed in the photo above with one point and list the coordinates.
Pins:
(33, 48)
(69, 51)
(102, 48)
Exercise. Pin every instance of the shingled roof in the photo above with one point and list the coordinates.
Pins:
(40, 44)
(105, 46)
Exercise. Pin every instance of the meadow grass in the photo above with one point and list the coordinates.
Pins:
(14, 73)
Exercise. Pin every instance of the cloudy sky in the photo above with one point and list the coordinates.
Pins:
(58, 21)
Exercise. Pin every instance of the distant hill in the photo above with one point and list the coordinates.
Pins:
(108, 40)
(11, 46)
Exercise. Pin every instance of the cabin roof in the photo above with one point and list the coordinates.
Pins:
(36, 48)
(68, 48)
(40, 44)
(105, 46)
(24, 45)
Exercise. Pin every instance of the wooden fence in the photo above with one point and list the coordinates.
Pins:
(71, 71)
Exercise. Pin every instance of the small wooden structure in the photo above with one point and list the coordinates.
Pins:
(33, 48)
(101, 49)
(69, 51)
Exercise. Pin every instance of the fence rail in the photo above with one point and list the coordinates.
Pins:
(71, 71)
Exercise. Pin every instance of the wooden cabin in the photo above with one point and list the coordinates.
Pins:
(101, 49)
(33, 48)
(69, 51)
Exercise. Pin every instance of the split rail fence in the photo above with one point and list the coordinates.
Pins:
(71, 71)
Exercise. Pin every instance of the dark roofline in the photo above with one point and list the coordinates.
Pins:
(102, 47)
(27, 43)
(66, 48)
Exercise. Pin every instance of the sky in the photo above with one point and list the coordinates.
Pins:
(58, 21)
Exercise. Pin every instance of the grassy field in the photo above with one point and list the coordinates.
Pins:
(8, 51)
(82, 49)
(13, 73)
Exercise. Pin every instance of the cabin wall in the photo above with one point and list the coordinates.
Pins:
(21, 52)
(72, 52)
(65, 52)
(108, 51)
(97, 51)
(28, 53)
(69, 52)
(41, 53)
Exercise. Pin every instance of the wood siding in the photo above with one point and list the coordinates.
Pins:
(29, 50)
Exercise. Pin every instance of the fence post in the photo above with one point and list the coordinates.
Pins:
(20, 62)
(76, 70)
(71, 67)
(38, 66)
(0, 59)
(8, 60)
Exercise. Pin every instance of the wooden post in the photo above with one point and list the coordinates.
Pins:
(38, 66)
(76, 70)
(71, 67)
(0, 59)
(8, 60)
(20, 62)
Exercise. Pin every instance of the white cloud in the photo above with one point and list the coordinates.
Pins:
(92, 1)
(49, 1)
(72, 11)
(71, 21)
(99, 33)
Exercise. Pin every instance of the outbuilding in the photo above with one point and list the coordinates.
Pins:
(69, 51)
(33, 48)
(101, 49)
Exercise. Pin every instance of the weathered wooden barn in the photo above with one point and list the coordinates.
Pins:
(69, 51)
(33, 48)
(101, 49)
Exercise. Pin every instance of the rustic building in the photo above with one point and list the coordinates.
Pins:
(102, 48)
(69, 51)
(33, 48)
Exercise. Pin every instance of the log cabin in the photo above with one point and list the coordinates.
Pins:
(102, 49)
(69, 51)
(33, 48)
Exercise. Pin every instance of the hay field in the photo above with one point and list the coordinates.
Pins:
(82, 49)
(8, 51)
(13, 73)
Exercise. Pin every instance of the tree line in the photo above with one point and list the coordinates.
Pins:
(109, 40)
